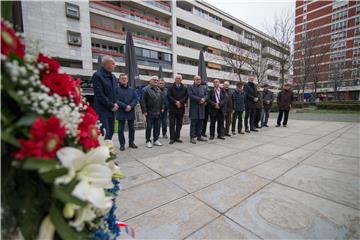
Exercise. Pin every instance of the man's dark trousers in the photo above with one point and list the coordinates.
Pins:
(163, 122)
(152, 122)
(286, 116)
(217, 116)
(107, 125)
(237, 115)
(249, 118)
(195, 128)
(131, 130)
(205, 120)
(175, 121)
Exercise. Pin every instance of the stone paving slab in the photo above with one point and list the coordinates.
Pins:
(222, 228)
(279, 212)
(352, 151)
(339, 187)
(145, 197)
(200, 177)
(271, 149)
(273, 168)
(225, 194)
(334, 162)
(136, 173)
(297, 155)
(172, 162)
(177, 219)
(210, 152)
(244, 160)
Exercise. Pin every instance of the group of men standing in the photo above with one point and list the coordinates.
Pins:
(225, 108)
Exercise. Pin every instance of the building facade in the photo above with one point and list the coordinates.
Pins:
(167, 33)
(327, 48)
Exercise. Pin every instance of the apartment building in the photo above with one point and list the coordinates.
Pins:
(167, 33)
(332, 29)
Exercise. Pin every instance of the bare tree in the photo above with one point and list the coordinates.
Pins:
(307, 68)
(235, 56)
(282, 32)
(258, 64)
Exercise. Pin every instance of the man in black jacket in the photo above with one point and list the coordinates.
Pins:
(238, 98)
(217, 101)
(151, 107)
(177, 97)
(229, 108)
(250, 104)
(105, 105)
(268, 98)
(164, 114)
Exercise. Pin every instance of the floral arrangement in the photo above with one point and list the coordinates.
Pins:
(58, 177)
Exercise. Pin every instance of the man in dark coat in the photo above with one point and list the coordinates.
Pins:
(284, 101)
(268, 98)
(164, 114)
(151, 107)
(126, 100)
(205, 121)
(259, 107)
(217, 102)
(198, 96)
(250, 103)
(105, 84)
(238, 98)
(177, 98)
(229, 108)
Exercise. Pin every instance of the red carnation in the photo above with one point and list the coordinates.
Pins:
(89, 130)
(10, 43)
(59, 83)
(45, 139)
(51, 65)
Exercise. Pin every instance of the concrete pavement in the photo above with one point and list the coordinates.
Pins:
(295, 182)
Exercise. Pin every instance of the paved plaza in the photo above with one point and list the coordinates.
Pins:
(280, 183)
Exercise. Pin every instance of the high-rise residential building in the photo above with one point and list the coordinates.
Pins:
(167, 33)
(327, 48)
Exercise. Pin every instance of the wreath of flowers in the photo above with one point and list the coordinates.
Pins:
(58, 177)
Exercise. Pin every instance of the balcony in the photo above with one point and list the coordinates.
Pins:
(272, 53)
(120, 58)
(160, 4)
(115, 33)
(128, 14)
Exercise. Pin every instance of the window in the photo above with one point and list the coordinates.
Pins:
(358, 9)
(339, 4)
(340, 15)
(146, 53)
(356, 52)
(166, 57)
(356, 42)
(338, 45)
(74, 38)
(72, 10)
(357, 31)
(154, 55)
(338, 25)
(138, 51)
(338, 36)
(70, 63)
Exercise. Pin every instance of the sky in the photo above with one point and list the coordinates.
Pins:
(257, 13)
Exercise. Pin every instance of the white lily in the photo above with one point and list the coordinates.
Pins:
(92, 170)
(85, 214)
(107, 142)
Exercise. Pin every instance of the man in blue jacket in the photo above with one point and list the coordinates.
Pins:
(126, 100)
(104, 84)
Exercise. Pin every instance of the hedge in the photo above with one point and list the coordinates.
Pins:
(338, 106)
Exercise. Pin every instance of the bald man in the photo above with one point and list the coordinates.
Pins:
(104, 85)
